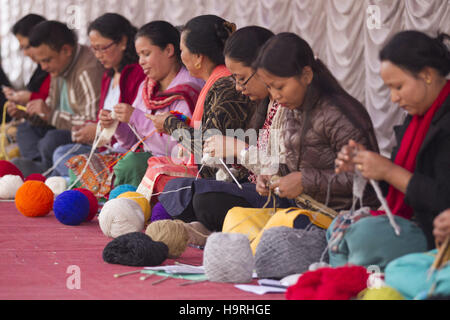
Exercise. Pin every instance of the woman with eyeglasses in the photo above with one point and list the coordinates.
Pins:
(39, 83)
(112, 41)
(218, 108)
(240, 51)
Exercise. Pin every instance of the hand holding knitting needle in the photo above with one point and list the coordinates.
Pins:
(289, 186)
(105, 118)
(159, 120)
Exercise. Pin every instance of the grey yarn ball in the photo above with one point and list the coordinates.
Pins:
(228, 258)
(283, 251)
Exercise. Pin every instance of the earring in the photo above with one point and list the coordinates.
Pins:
(198, 66)
(428, 81)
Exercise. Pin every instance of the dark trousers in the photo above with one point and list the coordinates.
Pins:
(211, 208)
(37, 144)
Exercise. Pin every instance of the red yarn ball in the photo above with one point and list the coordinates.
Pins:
(34, 199)
(36, 177)
(9, 168)
(93, 202)
(342, 283)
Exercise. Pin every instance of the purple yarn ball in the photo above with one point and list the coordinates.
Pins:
(159, 213)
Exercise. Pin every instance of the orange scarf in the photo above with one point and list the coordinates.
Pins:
(219, 72)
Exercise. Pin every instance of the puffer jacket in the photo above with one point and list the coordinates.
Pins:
(314, 134)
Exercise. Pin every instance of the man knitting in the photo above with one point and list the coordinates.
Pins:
(73, 98)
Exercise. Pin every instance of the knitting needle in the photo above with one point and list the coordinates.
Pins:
(146, 276)
(188, 283)
(160, 280)
(229, 171)
(118, 275)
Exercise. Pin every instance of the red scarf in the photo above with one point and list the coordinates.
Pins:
(154, 99)
(409, 149)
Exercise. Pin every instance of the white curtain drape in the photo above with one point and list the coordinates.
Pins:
(346, 34)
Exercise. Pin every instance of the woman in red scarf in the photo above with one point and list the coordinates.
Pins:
(414, 67)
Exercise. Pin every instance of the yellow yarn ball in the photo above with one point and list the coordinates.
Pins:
(383, 293)
(171, 232)
(140, 200)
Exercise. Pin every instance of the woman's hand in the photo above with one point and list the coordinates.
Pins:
(40, 108)
(158, 120)
(123, 112)
(442, 226)
(14, 112)
(105, 118)
(84, 134)
(373, 166)
(289, 186)
(223, 146)
(344, 161)
(262, 185)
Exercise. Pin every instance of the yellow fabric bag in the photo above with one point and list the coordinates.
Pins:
(253, 222)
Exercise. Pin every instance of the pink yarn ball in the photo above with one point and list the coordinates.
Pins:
(36, 177)
(9, 168)
(93, 203)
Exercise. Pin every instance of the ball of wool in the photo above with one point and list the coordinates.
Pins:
(34, 199)
(135, 249)
(172, 233)
(93, 202)
(117, 191)
(9, 168)
(9, 185)
(71, 207)
(159, 213)
(383, 293)
(228, 258)
(57, 184)
(283, 251)
(140, 200)
(342, 283)
(36, 177)
(121, 216)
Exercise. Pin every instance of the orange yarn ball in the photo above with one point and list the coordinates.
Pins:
(34, 199)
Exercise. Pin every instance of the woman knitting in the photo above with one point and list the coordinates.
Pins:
(414, 66)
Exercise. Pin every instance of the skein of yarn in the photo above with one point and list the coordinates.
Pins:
(9, 168)
(71, 207)
(93, 202)
(9, 185)
(121, 216)
(228, 258)
(140, 200)
(34, 199)
(36, 177)
(117, 191)
(172, 233)
(57, 184)
(283, 251)
(135, 249)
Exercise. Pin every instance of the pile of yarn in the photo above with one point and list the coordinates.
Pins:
(120, 216)
(117, 191)
(71, 207)
(11, 179)
(135, 249)
(34, 199)
(171, 232)
(228, 258)
(283, 251)
(342, 283)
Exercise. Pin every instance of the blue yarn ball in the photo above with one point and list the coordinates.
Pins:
(117, 191)
(71, 207)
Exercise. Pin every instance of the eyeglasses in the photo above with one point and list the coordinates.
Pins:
(103, 49)
(243, 85)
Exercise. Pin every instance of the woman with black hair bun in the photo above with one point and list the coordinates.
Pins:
(219, 106)
(415, 67)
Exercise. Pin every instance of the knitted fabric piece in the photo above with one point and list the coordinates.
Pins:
(135, 249)
(283, 251)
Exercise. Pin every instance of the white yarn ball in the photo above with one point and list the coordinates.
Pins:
(9, 184)
(228, 257)
(57, 184)
(120, 216)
